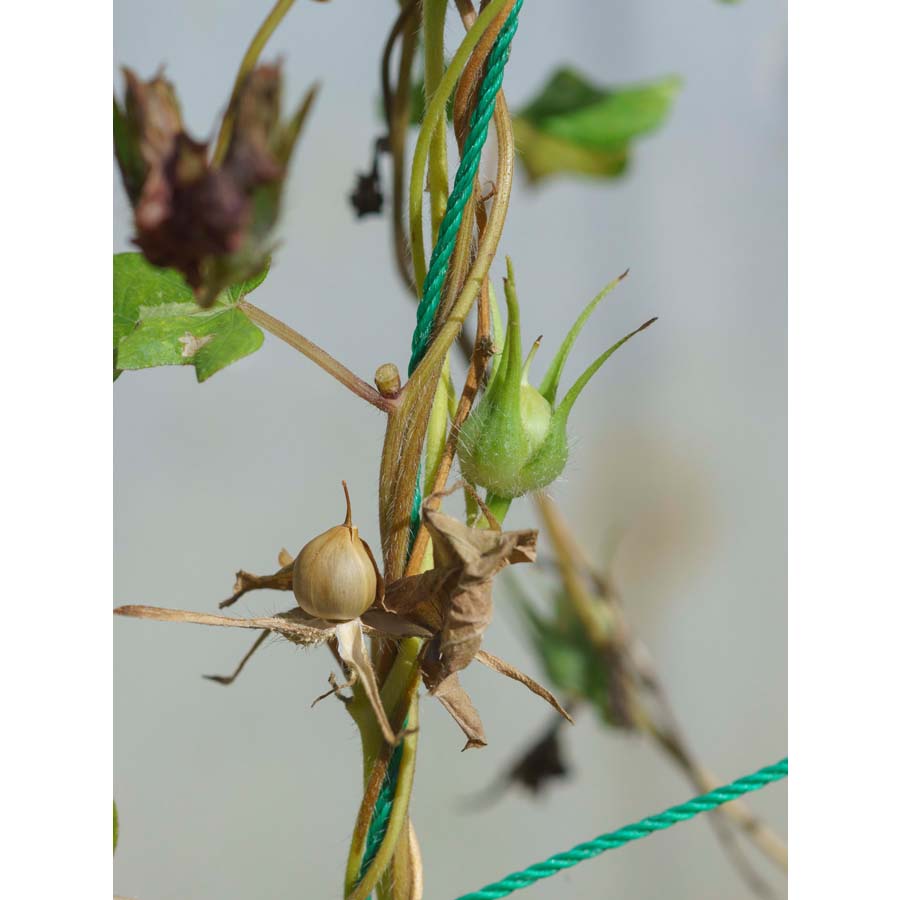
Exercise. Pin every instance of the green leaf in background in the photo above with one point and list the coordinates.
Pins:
(157, 323)
(570, 662)
(573, 126)
(115, 827)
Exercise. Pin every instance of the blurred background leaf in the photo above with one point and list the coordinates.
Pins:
(573, 126)
(571, 663)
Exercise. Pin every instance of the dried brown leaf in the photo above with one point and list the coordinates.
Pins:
(282, 580)
(418, 598)
(388, 624)
(510, 671)
(458, 703)
(295, 625)
(469, 559)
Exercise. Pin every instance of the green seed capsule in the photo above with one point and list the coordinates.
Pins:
(515, 440)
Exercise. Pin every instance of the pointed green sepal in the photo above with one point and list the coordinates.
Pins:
(514, 441)
(564, 408)
(550, 384)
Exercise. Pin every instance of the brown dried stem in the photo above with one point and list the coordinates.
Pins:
(251, 57)
(466, 88)
(319, 356)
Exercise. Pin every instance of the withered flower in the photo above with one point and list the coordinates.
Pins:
(534, 769)
(449, 608)
(367, 198)
(211, 219)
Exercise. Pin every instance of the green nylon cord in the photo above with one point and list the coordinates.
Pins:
(425, 313)
(381, 814)
(614, 839)
(462, 188)
(459, 197)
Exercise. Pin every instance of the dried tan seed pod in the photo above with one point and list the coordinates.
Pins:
(335, 575)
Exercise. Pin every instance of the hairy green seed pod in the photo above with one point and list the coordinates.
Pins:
(515, 440)
(335, 575)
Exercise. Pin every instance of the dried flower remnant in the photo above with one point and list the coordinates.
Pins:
(448, 607)
(213, 223)
(367, 198)
(539, 764)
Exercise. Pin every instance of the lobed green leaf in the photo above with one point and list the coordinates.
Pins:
(156, 321)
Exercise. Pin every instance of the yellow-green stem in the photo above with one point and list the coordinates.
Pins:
(251, 57)
(399, 811)
(399, 695)
(435, 113)
(433, 18)
(436, 436)
(499, 506)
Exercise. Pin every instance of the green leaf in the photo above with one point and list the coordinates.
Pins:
(157, 323)
(115, 827)
(573, 126)
(571, 664)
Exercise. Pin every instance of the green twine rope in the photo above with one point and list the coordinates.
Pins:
(462, 188)
(431, 296)
(382, 813)
(459, 197)
(614, 839)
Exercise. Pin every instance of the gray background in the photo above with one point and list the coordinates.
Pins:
(679, 449)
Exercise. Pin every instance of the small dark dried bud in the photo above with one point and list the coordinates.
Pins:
(541, 763)
(367, 198)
